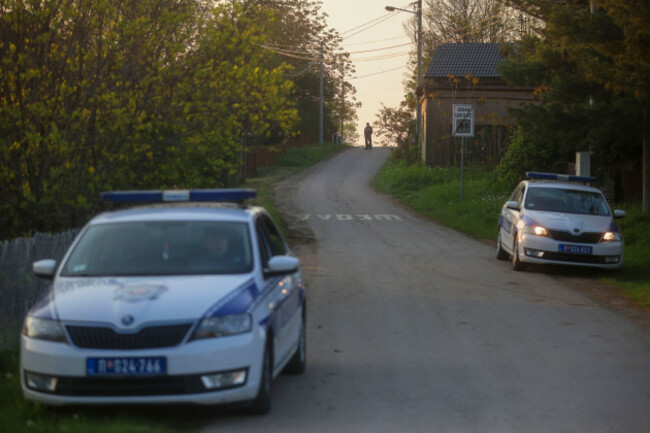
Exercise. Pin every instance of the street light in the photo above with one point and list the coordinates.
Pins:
(418, 13)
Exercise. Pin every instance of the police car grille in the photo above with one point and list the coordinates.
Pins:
(92, 337)
(129, 386)
(582, 238)
(575, 258)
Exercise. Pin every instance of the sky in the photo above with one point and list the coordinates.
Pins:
(366, 26)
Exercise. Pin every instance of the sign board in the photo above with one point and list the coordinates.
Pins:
(463, 120)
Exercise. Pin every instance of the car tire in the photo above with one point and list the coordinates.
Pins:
(298, 361)
(262, 403)
(517, 264)
(501, 253)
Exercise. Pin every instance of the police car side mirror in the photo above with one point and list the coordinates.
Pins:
(619, 213)
(44, 268)
(281, 265)
(513, 204)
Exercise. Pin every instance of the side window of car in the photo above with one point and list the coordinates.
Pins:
(278, 247)
(263, 242)
(519, 194)
(269, 239)
(515, 192)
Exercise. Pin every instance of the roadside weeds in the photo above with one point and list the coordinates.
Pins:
(434, 193)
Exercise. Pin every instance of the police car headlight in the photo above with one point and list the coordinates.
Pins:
(44, 329)
(536, 230)
(212, 327)
(610, 237)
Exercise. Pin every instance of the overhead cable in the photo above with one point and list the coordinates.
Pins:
(302, 54)
(378, 40)
(378, 73)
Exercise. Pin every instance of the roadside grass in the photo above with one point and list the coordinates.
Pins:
(634, 278)
(435, 193)
(18, 415)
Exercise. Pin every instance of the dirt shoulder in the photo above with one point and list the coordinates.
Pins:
(608, 297)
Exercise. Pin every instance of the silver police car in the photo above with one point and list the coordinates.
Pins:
(559, 219)
(181, 300)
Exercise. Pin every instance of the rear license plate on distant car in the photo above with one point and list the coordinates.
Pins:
(126, 366)
(575, 249)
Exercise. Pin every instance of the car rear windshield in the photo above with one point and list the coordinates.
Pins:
(567, 201)
(162, 248)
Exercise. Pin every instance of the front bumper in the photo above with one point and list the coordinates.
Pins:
(544, 250)
(187, 363)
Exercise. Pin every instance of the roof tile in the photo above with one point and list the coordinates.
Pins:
(477, 59)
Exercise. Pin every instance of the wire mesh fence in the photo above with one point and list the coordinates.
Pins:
(19, 287)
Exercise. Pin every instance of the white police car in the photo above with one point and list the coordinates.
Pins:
(185, 302)
(554, 219)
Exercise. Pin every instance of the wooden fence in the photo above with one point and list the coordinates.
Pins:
(259, 156)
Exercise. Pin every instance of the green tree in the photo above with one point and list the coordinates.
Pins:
(100, 94)
(397, 126)
(234, 91)
(465, 21)
(295, 31)
(589, 77)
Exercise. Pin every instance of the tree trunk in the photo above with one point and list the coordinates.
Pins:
(646, 164)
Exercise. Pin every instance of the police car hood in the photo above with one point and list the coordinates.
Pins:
(572, 223)
(129, 302)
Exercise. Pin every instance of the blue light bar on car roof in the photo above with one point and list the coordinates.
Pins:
(563, 177)
(237, 195)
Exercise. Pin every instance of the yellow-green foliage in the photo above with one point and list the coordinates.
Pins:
(99, 95)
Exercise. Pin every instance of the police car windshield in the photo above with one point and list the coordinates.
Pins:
(162, 248)
(566, 201)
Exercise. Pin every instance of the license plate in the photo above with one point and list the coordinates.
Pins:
(575, 249)
(126, 366)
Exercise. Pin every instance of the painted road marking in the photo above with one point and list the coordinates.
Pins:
(350, 217)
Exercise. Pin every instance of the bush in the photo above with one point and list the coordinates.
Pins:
(526, 154)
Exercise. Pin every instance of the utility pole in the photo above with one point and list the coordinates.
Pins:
(646, 165)
(418, 115)
(320, 118)
(418, 112)
(342, 102)
(342, 108)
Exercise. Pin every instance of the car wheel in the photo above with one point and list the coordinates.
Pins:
(298, 361)
(517, 264)
(501, 253)
(262, 403)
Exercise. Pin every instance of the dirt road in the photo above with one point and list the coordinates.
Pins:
(413, 327)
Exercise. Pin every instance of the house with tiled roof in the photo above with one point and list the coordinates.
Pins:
(467, 74)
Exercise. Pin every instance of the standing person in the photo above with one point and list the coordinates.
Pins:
(367, 133)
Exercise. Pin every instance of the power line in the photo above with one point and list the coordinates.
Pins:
(380, 49)
(312, 57)
(365, 24)
(377, 73)
(378, 40)
(386, 56)
(370, 22)
(291, 55)
(279, 49)
(306, 53)
(385, 18)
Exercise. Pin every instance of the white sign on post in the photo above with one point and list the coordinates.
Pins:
(463, 120)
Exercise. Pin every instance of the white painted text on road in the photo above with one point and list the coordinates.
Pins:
(350, 217)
